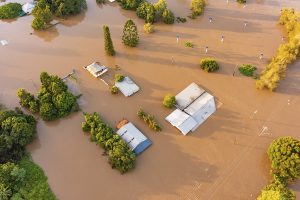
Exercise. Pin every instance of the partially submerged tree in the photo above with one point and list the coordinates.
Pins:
(168, 17)
(169, 101)
(276, 191)
(108, 45)
(209, 64)
(42, 15)
(130, 4)
(130, 34)
(197, 7)
(146, 11)
(10, 10)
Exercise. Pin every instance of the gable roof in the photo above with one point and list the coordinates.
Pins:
(127, 86)
(188, 95)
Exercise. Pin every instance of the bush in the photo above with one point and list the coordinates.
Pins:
(247, 69)
(130, 34)
(169, 101)
(209, 64)
(16, 131)
(120, 155)
(146, 11)
(276, 191)
(168, 17)
(10, 10)
(108, 45)
(197, 7)
(149, 119)
(119, 78)
(54, 100)
(284, 154)
(241, 1)
(148, 28)
(189, 44)
(286, 53)
(100, 1)
(114, 90)
(180, 19)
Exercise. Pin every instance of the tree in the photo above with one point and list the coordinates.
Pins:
(169, 101)
(130, 4)
(160, 7)
(197, 7)
(168, 17)
(247, 69)
(276, 191)
(130, 34)
(28, 101)
(241, 1)
(42, 14)
(209, 64)
(119, 78)
(146, 11)
(149, 28)
(108, 45)
(10, 10)
(67, 7)
(284, 154)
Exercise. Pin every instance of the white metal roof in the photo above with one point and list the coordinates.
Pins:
(28, 7)
(127, 86)
(184, 122)
(96, 69)
(131, 135)
(188, 95)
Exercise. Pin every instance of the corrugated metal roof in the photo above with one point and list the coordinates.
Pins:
(188, 95)
(95, 69)
(127, 86)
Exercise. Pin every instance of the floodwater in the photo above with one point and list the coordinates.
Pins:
(224, 159)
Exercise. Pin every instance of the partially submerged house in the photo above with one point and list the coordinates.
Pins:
(96, 69)
(136, 140)
(194, 106)
(27, 8)
(127, 86)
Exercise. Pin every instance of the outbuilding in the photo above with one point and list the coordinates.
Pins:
(96, 69)
(136, 140)
(127, 86)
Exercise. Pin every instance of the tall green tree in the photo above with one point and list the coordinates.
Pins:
(197, 7)
(43, 15)
(130, 34)
(108, 45)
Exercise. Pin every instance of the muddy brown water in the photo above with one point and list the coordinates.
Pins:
(224, 159)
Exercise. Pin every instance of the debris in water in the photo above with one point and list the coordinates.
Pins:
(3, 42)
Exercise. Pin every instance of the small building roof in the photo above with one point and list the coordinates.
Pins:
(184, 122)
(28, 7)
(127, 86)
(96, 69)
(136, 140)
(188, 95)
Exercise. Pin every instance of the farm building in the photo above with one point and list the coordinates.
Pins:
(137, 141)
(96, 69)
(127, 87)
(194, 105)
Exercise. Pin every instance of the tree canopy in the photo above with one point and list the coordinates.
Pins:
(10, 10)
(130, 34)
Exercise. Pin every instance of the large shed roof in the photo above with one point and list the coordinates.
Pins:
(188, 95)
(127, 86)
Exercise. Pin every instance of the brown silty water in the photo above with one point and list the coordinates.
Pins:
(224, 159)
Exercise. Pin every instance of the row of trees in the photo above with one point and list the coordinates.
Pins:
(149, 119)
(284, 154)
(54, 100)
(286, 53)
(45, 10)
(10, 10)
(20, 178)
(120, 156)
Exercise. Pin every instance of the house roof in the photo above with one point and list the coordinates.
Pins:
(28, 7)
(188, 95)
(184, 122)
(136, 140)
(127, 86)
(96, 69)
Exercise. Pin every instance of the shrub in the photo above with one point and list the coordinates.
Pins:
(54, 100)
(286, 53)
(146, 11)
(168, 17)
(148, 28)
(276, 191)
(149, 119)
(119, 78)
(247, 69)
(10, 10)
(120, 156)
(16, 131)
(114, 90)
(100, 1)
(284, 154)
(209, 64)
(130, 34)
(108, 45)
(189, 44)
(169, 101)
(197, 7)
(241, 1)
(180, 19)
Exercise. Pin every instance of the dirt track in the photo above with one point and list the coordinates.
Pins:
(224, 159)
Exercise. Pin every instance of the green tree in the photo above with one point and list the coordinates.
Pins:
(276, 191)
(247, 69)
(168, 17)
(160, 6)
(28, 101)
(197, 7)
(169, 101)
(209, 64)
(149, 28)
(241, 1)
(130, 4)
(130, 34)
(67, 7)
(43, 15)
(146, 11)
(119, 78)
(284, 154)
(10, 10)
(108, 45)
